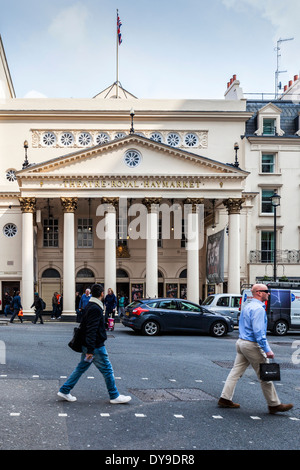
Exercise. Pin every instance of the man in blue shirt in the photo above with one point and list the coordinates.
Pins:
(252, 348)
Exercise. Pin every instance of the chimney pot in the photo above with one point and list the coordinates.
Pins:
(295, 78)
(290, 82)
(234, 77)
(285, 88)
(231, 81)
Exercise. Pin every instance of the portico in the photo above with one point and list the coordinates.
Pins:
(115, 194)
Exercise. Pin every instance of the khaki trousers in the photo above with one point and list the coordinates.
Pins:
(248, 353)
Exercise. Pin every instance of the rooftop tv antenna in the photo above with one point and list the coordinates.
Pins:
(277, 49)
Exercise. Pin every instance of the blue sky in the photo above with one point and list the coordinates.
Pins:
(171, 49)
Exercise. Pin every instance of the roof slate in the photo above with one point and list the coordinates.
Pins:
(289, 117)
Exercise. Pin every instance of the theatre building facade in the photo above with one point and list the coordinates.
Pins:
(147, 197)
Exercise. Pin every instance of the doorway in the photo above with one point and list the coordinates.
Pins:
(11, 287)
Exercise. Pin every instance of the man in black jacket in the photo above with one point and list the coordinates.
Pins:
(93, 350)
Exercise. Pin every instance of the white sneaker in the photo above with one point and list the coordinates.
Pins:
(120, 399)
(67, 396)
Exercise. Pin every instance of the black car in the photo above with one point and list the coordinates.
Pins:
(152, 316)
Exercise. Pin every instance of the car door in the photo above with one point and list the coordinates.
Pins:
(234, 310)
(169, 314)
(192, 316)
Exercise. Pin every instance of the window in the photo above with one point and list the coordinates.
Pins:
(102, 138)
(173, 139)
(159, 233)
(269, 126)
(168, 304)
(67, 139)
(187, 307)
(48, 139)
(132, 158)
(191, 140)
(235, 302)
(85, 233)
(84, 139)
(11, 175)
(268, 163)
(156, 136)
(266, 204)
(10, 230)
(50, 233)
(267, 246)
(223, 302)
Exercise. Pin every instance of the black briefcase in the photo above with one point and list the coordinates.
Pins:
(269, 371)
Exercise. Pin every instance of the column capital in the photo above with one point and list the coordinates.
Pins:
(69, 204)
(233, 206)
(113, 201)
(194, 202)
(27, 204)
(151, 201)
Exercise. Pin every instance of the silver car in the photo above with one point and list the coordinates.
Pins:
(224, 304)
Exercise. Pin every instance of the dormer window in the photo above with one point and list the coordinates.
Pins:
(268, 121)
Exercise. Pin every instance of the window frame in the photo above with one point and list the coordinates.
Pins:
(89, 231)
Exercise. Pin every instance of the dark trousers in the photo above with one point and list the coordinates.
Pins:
(15, 313)
(38, 315)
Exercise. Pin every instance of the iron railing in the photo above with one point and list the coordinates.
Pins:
(282, 256)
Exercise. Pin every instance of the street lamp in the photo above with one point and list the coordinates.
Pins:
(26, 162)
(236, 147)
(132, 113)
(275, 201)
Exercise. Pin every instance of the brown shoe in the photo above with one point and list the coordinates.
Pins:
(223, 403)
(280, 408)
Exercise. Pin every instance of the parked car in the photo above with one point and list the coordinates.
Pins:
(152, 316)
(224, 304)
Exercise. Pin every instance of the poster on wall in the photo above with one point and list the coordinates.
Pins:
(172, 290)
(137, 291)
(215, 258)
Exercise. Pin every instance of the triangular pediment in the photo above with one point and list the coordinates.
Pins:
(132, 156)
(270, 108)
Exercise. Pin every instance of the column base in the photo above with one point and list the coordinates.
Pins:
(68, 316)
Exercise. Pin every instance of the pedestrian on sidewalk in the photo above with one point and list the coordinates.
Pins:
(253, 349)
(93, 350)
(38, 306)
(85, 298)
(16, 307)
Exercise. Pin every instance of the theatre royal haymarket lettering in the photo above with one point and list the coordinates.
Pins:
(131, 183)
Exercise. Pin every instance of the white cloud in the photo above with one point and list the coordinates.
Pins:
(34, 94)
(283, 15)
(70, 26)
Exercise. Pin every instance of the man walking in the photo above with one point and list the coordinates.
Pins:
(252, 348)
(93, 350)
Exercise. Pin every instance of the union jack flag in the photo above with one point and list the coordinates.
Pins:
(119, 24)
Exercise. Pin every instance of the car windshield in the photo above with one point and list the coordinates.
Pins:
(208, 300)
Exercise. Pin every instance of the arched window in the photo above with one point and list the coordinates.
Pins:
(85, 272)
(51, 272)
(122, 273)
(183, 274)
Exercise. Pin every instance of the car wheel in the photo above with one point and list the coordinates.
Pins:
(280, 328)
(150, 328)
(218, 328)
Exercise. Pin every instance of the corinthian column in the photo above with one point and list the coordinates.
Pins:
(69, 206)
(234, 209)
(151, 247)
(192, 248)
(27, 287)
(110, 262)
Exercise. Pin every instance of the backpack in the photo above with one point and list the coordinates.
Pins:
(43, 304)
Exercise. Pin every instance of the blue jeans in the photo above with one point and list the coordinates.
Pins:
(102, 362)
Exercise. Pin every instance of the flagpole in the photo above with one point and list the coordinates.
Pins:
(117, 65)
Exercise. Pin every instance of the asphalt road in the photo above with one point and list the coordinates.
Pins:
(174, 380)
